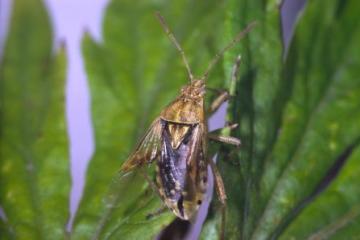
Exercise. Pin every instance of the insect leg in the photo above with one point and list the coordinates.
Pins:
(216, 136)
(229, 126)
(156, 190)
(235, 73)
(223, 94)
(225, 139)
(151, 182)
(219, 100)
(220, 189)
(156, 212)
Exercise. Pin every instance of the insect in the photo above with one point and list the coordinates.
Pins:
(177, 141)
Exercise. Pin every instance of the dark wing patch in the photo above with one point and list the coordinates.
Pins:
(179, 170)
(147, 150)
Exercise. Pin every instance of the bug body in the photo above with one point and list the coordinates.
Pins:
(182, 166)
(177, 141)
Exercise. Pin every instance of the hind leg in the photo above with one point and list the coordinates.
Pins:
(220, 189)
(157, 212)
(155, 189)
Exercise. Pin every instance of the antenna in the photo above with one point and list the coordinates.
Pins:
(230, 45)
(175, 42)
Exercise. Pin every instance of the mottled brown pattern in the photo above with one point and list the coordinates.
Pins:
(188, 108)
(183, 110)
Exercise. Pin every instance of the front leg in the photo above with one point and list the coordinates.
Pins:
(224, 95)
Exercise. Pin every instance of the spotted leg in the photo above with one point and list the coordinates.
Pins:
(220, 189)
(226, 139)
(224, 96)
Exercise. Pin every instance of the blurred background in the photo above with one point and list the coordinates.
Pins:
(56, 54)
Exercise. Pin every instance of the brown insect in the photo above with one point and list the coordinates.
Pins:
(177, 141)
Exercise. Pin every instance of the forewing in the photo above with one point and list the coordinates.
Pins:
(197, 165)
(130, 177)
(181, 171)
(196, 144)
(147, 150)
(124, 188)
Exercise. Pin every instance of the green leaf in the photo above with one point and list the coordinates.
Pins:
(320, 121)
(335, 214)
(260, 94)
(296, 117)
(134, 74)
(34, 154)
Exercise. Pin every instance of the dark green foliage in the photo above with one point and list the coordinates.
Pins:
(34, 173)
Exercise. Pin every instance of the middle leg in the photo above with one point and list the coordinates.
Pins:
(225, 139)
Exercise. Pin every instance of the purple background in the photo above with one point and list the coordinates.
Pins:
(69, 19)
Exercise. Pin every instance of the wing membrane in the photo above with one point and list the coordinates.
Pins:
(128, 193)
(130, 179)
(148, 148)
(196, 144)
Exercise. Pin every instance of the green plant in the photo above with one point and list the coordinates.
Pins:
(296, 174)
